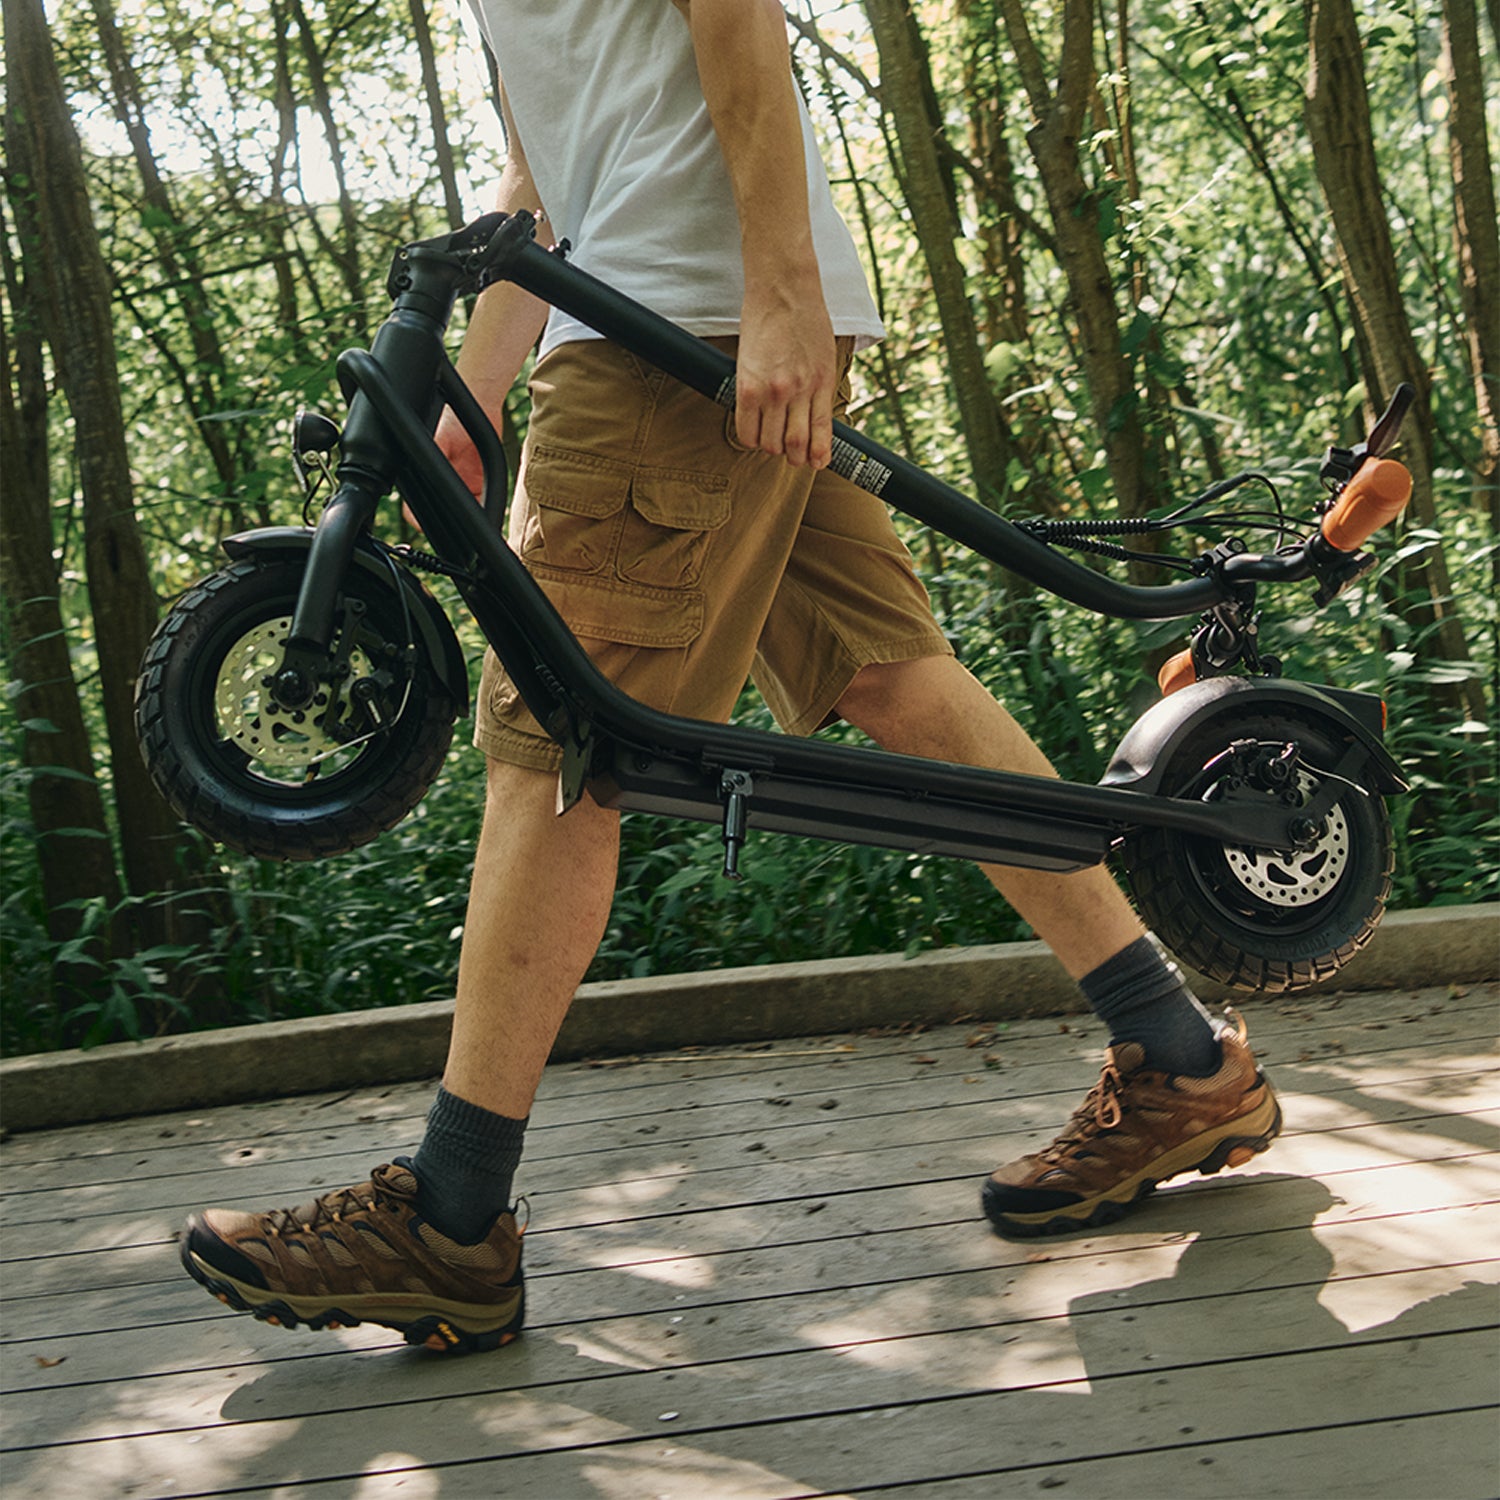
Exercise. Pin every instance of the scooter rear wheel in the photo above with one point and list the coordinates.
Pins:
(288, 785)
(1256, 919)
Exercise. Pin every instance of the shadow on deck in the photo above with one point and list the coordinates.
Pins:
(760, 1272)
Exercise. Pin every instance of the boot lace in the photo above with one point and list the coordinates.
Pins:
(332, 1208)
(1100, 1111)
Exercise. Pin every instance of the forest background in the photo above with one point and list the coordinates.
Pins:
(1123, 250)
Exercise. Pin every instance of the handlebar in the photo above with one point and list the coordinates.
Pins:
(1374, 497)
(1370, 489)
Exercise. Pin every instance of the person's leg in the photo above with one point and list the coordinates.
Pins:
(1178, 1091)
(429, 1246)
(934, 707)
(538, 901)
(664, 558)
(538, 904)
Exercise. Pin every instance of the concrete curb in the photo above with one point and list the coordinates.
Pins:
(1443, 945)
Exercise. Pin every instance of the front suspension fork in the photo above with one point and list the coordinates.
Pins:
(408, 349)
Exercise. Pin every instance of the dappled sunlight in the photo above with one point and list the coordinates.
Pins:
(695, 1342)
(651, 1264)
(515, 1422)
(672, 1473)
(101, 1468)
(1384, 1268)
(636, 1192)
(991, 1337)
(1464, 1076)
(617, 1351)
(1421, 1185)
(1347, 1151)
(977, 1359)
(396, 1474)
(1373, 1301)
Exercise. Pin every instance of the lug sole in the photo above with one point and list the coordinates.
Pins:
(444, 1328)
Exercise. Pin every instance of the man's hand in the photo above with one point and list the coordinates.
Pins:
(787, 376)
(458, 448)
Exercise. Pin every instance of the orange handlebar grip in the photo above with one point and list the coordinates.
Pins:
(1176, 672)
(1375, 496)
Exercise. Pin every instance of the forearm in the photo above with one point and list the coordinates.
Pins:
(506, 321)
(503, 328)
(744, 67)
(787, 373)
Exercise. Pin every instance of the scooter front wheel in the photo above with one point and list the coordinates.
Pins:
(1258, 919)
(273, 782)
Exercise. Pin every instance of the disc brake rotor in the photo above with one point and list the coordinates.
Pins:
(1298, 877)
(248, 717)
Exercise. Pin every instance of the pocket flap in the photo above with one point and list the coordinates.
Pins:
(629, 614)
(681, 499)
(579, 484)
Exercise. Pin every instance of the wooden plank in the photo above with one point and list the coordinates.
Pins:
(702, 1118)
(850, 1091)
(1450, 1456)
(1435, 1010)
(1420, 1218)
(995, 1129)
(784, 1128)
(1306, 1284)
(819, 1416)
(972, 1150)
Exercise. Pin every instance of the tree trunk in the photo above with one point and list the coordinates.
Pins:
(74, 285)
(1477, 239)
(1076, 217)
(1338, 122)
(74, 852)
(1301, 237)
(906, 89)
(452, 199)
(176, 255)
(346, 255)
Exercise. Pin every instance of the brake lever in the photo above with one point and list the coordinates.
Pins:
(1340, 464)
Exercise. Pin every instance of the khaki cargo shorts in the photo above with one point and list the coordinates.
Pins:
(685, 562)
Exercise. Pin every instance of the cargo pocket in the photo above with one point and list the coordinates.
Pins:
(575, 510)
(605, 608)
(668, 524)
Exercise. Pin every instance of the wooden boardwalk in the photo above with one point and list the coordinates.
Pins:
(761, 1272)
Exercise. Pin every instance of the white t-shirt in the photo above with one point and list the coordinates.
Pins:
(607, 103)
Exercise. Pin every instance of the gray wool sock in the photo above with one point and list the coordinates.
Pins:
(1140, 995)
(465, 1167)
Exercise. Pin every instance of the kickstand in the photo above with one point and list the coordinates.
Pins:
(735, 788)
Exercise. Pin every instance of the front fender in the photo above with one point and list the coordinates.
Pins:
(1142, 756)
(434, 631)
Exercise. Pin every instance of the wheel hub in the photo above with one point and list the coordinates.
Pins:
(249, 717)
(1302, 876)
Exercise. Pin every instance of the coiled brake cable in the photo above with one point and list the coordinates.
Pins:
(1087, 535)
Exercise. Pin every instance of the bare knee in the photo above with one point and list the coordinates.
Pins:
(889, 700)
(934, 707)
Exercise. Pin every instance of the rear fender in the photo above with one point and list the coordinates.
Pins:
(434, 631)
(1143, 755)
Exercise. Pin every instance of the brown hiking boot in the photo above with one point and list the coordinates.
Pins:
(1136, 1128)
(363, 1255)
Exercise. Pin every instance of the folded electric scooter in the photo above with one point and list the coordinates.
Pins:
(301, 700)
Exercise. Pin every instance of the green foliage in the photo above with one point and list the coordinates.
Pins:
(1231, 316)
